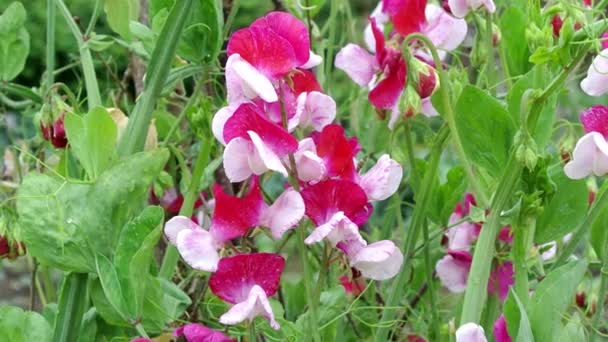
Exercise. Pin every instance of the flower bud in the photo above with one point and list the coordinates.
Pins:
(10, 250)
(557, 23)
(581, 300)
(410, 103)
(52, 116)
(425, 78)
(496, 35)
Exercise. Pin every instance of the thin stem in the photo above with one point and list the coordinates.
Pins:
(450, 116)
(182, 115)
(94, 17)
(409, 148)
(252, 334)
(233, 11)
(489, 41)
(88, 68)
(520, 248)
(601, 299)
(171, 254)
(50, 43)
(434, 326)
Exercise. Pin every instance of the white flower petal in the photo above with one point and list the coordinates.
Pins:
(383, 179)
(379, 261)
(236, 160)
(358, 64)
(177, 224)
(470, 332)
(286, 211)
(244, 82)
(263, 157)
(596, 82)
(589, 157)
(219, 120)
(452, 274)
(256, 304)
(313, 61)
(198, 249)
(338, 228)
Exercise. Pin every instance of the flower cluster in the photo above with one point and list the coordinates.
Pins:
(271, 93)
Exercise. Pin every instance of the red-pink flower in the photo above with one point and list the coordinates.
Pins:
(500, 330)
(501, 280)
(55, 133)
(247, 280)
(194, 332)
(406, 15)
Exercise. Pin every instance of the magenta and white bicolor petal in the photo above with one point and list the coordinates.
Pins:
(461, 236)
(309, 165)
(378, 261)
(219, 120)
(470, 332)
(550, 250)
(245, 82)
(381, 19)
(382, 180)
(359, 65)
(255, 305)
(237, 163)
(284, 214)
(263, 157)
(194, 332)
(338, 229)
(312, 61)
(596, 82)
(453, 270)
(445, 31)
(460, 8)
(313, 109)
(197, 246)
(590, 157)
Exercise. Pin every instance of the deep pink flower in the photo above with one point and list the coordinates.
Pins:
(461, 236)
(354, 286)
(505, 234)
(595, 119)
(588, 3)
(415, 338)
(337, 151)
(501, 279)
(247, 280)
(406, 15)
(556, 24)
(500, 330)
(194, 332)
(54, 132)
(604, 38)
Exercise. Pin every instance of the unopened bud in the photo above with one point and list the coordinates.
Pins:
(496, 35)
(410, 103)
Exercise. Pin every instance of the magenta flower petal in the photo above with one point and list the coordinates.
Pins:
(234, 216)
(382, 180)
(337, 151)
(291, 29)
(453, 270)
(256, 304)
(501, 279)
(386, 93)
(328, 197)
(194, 332)
(249, 117)
(286, 211)
(407, 16)
(378, 261)
(380, 19)
(500, 330)
(470, 332)
(595, 119)
(358, 64)
(237, 275)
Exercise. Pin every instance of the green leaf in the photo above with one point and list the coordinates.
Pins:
(64, 224)
(302, 9)
(14, 41)
(566, 209)
(517, 319)
(120, 13)
(574, 330)
(599, 234)
(110, 283)
(88, 329)
(72, 305)
(513, 23)
(93, 139)
(448, 194)
(486, 129)
(551, 299)
(17, 325)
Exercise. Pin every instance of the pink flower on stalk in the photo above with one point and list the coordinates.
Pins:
(194, 332)
(501, 334)
(232, 218)
(501, 280)
(590, 155)
(596, 82)
(470, 332)
(461, 236)
(460, 8)
(268, 50)
(247, 280)
(254, 144)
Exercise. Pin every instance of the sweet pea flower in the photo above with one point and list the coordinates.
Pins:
(470, 332)
(590, 155)
(501, 280)
(501, 334)
(247, 280)
(596, 82)
(461, 236)
(460, 8)
(194, 332)
(232, 218)
(407, 16)
(453, 270)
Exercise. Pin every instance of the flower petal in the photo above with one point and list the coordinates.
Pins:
(315, 109)
(500, 330)
(382, 180)
(445, 31)
(236, 160)
(470, 332)
(386, 93)
(256, 304)
(286, 211)
(358, 64)
(194, 332)
(428, 109)
(198, 249)
(177, 224)
(590, 156)
(337, 151)
(312, 61)
(244, 82)
(550, 252)
(237, 275)
(407, 16)
(379, 261)
(501, 279)
(596, 82)
(326, 198)
(453, 273)
(309, 165)
(339, 228)
(289, 28)
(264, 158)
(380, 18)
(595, 119)
(218, 122)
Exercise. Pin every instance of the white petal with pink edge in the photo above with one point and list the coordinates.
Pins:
(590, 156)
(358, 64)
(379, 261)
(445, 31)
(470, 332)
(309, 165)
(452, 274)
(382, 180)
(313, 61)
(177, 224)
(198, 249)
(381, 19)
(256, 304)
(284, 214)
(314, 109)
(244, 82)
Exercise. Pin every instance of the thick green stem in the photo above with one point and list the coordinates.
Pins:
(88, 68)
(171, 254)
(73, 303)
(50, 43)
(252, 334)
(137, 129)
(418, 220)
(601, 299)
(520, 251)
(449, 116)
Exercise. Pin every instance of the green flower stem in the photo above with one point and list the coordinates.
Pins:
(252, 334)
(171, 254)
(50, 43)
(88, 68)
(418, 221)
(73, 303)
(434, 330)
(477, 283)
(231, 15)
(520, 250)
(449, 116)
(601, 299)
(158, 70)
(490, 58)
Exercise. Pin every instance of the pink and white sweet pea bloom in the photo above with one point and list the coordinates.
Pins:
(380, 260)
(596, 82)
(460, 8)
(461, 236)
(590, 155)
(247, 281)
(382, 180)
(453, 270)
(470, 332)
(195, 332)
(254, 144)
